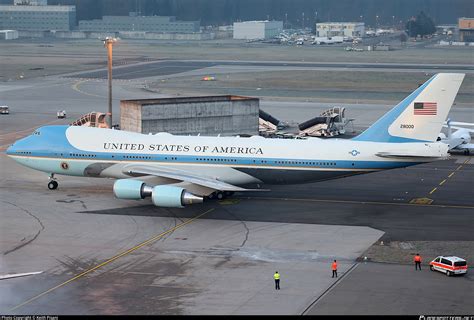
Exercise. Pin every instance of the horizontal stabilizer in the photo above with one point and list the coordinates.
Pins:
(405, 154)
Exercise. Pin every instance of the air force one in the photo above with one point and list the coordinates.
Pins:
(176, 171)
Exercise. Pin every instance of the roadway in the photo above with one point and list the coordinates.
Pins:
(170, 67)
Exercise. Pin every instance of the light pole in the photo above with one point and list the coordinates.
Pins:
(108, 43)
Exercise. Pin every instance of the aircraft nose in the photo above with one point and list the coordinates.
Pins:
(10, 149)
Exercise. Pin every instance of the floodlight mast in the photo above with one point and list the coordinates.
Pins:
(108, 43)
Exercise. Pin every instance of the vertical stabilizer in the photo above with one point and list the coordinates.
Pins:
(420, 116)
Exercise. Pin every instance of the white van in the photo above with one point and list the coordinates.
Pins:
(450, 265)
(4, 110)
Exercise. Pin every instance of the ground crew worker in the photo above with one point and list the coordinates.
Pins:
(417, 261)
(334, 268)
(276, 276)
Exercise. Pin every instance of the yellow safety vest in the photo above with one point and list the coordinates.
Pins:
(276, 276)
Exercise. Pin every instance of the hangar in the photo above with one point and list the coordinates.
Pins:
(208, 115)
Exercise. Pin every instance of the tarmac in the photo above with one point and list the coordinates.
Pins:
(101, 255)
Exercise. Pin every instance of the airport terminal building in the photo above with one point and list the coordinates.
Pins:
(340, 29)
(37, 17)
(139, 23)
(466, 29)
(252, 30)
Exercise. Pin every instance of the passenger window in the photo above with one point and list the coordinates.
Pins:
(447, 262)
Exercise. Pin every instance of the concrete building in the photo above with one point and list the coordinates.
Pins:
(139, 23)
(30, 2)
(37, 17)
(340, 29)
(8, 34)
(210, 116)
(252, 30)
(466, 29)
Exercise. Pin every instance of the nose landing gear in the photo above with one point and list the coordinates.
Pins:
(52, 184)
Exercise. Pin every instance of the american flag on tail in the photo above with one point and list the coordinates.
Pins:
(425, 109)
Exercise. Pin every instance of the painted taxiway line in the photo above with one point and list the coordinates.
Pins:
(149, 241)
(358, 202)
(450, 175)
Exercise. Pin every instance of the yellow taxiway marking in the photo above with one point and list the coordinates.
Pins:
(75, 87)
(421, 201)
(358, 202)
(155, 238)
(450, 175)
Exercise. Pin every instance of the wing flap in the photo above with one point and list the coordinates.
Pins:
(182, 175)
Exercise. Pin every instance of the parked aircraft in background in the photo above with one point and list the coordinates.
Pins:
(179, 170)
(460, 139)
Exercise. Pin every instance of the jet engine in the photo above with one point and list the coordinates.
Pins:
(161, 196)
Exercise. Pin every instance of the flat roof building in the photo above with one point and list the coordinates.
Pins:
(37, 17)
(139, 23)
(252, 30)
(210, 115)
(340, 29)
(466, 29)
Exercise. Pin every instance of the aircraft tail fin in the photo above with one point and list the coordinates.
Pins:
(420, 116)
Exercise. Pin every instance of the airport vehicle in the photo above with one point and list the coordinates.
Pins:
(450, 265)
(4, 110)
(329, 123)
(460, 140)
(180, 170)
(91, 119)
(327, 40)
(61, 114)
(208, 78)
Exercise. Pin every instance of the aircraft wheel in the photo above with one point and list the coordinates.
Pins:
(220, 195)
(53, 185)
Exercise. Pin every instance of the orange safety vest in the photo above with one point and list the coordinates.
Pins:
(334, 265)
(417, 259)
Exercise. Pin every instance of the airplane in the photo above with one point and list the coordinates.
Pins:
(459, 140)
(176, 171)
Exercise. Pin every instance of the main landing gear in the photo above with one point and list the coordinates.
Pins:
(219, 195)
(52, 184)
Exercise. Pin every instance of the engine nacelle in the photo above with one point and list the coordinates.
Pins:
(131, 189)
(161, 196)
(173, 197)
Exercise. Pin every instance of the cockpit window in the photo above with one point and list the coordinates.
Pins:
(36, 133)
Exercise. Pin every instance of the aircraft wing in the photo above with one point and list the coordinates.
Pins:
(468, 146)
(182, 175)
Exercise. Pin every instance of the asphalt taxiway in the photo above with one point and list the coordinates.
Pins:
(101, 255)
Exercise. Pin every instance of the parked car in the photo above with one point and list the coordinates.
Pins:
(450, 265)
(4, 110)
(61, 114)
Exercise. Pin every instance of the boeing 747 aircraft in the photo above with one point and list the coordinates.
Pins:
(180, 170)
